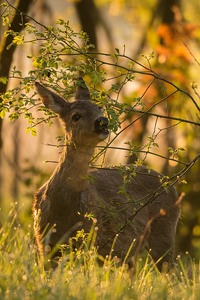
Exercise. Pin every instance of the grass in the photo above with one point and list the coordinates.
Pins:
(78, 275)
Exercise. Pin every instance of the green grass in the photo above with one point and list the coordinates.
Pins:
(78, 275)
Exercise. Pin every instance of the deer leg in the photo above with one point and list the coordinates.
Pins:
(161, 242)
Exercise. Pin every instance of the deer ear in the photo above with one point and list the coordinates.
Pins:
(82, 92)
(50, 99)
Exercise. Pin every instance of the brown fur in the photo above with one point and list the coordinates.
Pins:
(75, 189)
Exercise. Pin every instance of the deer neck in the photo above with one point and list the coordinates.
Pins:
(71, 172)
(66, 185)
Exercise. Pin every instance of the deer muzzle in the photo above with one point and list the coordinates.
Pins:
(101, 127)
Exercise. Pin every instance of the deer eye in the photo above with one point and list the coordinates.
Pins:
(76, 117)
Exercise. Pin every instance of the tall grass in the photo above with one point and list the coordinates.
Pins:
(79, 276)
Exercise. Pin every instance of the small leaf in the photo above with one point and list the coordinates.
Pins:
(183, 181)
(2, 114)
(33, 131)
(4, 80)
(35, 63)
(18, 40)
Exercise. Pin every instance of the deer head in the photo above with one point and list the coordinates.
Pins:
(83, 120)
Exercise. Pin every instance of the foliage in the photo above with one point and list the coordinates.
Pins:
(65, 54)
(78, 275)
(161, 96)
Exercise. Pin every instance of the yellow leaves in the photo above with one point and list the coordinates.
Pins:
(5, 20)
(165, 33)
(173, 40)
(182, 52)
(172, 57)
(190, 29)
(39, 62)
(31, 130)
(35, 64)
(2, 114)
(18, 40)
(173, 54)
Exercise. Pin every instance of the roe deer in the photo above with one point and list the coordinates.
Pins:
(74, 189)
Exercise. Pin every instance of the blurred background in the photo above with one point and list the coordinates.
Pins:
(166, 29)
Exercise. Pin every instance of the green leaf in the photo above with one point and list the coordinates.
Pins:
(4, 80)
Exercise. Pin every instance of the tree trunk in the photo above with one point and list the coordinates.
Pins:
(89, 18)
(165, 10)
(6, 55)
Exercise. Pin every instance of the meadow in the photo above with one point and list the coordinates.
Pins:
(79, 276)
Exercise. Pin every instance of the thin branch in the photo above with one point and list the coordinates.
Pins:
(164, 117)
(131, 123)
(149, 72)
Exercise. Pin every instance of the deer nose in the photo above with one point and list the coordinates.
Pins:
(101, 125)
